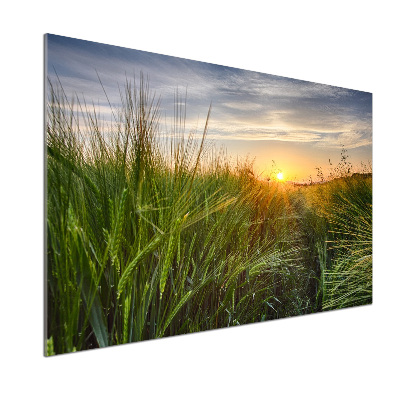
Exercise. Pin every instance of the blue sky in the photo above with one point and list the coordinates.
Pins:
(293, 122)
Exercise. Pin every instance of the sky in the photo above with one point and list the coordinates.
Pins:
(279, 123)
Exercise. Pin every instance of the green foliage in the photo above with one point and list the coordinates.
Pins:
(340, 219)
(150, 239)
(349, 282)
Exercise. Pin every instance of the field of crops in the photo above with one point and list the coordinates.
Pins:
(148, 238)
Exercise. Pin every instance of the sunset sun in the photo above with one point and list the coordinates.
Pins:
(279, 175)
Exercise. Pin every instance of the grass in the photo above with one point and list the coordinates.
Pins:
(149, 239)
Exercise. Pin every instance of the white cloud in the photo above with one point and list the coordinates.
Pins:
(246, 105)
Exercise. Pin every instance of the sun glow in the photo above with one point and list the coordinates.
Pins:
(279, 175)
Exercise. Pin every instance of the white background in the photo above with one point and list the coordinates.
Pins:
(351, 354)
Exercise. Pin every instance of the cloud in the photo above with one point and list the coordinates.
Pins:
(246, 105)
(348, 139)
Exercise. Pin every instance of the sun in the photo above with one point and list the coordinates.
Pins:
(279, 175)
